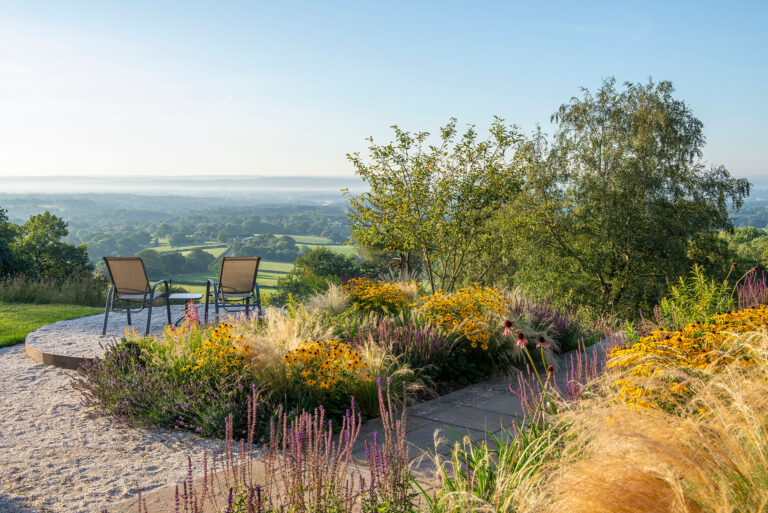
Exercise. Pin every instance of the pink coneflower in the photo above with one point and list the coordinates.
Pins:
(542, 343)
(508, 328)
(550, 369)
(521, 340)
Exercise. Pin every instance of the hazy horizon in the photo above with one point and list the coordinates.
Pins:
(282, 89)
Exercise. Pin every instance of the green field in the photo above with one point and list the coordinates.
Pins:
(16, 320)
(214, 248)
(342, 249)
(309, 239)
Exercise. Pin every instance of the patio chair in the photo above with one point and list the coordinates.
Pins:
(131, 285)
(236, 288)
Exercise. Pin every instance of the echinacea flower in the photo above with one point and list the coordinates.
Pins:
(521, 340)
(550, 369)
(508, 328)
(542, 343)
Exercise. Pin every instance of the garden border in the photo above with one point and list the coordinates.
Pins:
(57, 360)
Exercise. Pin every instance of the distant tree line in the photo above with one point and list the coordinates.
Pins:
(215, 225)
(172, 263)
(268, 247)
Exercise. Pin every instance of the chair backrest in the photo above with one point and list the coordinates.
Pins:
(238, 274)
(127, 274)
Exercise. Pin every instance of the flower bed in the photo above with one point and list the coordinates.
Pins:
(657, 367)
(194, 377)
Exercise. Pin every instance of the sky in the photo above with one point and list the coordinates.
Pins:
(289, 88)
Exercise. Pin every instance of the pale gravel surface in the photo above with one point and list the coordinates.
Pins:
(54, 457)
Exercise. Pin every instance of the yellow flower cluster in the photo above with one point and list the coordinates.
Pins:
(221, 353)
(376, 296)
(325, 366)
(469, 310)
(696, 349)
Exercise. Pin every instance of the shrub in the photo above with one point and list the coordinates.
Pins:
(693, 299)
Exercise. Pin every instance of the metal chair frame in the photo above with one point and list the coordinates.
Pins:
(220, 300)
(113, 297)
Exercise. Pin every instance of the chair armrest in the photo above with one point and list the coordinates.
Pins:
(165, 282)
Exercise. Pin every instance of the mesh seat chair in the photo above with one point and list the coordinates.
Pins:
(131, 286)
(237, 288)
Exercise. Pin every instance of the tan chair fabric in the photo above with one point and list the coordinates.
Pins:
(127, 275)
(238, 274)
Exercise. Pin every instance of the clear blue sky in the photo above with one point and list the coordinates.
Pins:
(97, 87)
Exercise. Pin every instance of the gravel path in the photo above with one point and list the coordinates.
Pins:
(54, 457)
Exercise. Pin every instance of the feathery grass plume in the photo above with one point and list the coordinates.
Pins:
(270, 340)
(707, 451)
(332, 301)
(423, 346)
(383, 365)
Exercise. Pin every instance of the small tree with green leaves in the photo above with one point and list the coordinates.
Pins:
(435, 200)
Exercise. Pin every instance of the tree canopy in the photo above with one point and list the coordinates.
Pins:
(435, 200)
(614, 207)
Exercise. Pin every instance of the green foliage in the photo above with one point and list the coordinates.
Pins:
(17, 320)
(487, 474)
(8, 233)
(611, 207)
(178, 239)
(39, 251)
(311, 274)
(268, 247)
(692, 299)
(173, 263)
(84, 289)
(435, 200)
(748, 246)
(161, 382)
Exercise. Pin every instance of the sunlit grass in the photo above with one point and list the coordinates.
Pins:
(17, 320)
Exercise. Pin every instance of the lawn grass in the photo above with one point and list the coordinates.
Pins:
(16, 320)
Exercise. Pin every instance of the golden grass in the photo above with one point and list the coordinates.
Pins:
(709, 454)
(706, 454)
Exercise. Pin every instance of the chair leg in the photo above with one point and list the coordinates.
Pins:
(107, 308)
(168, 307)
(247, 302)
(149, 312)
(128, 311)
